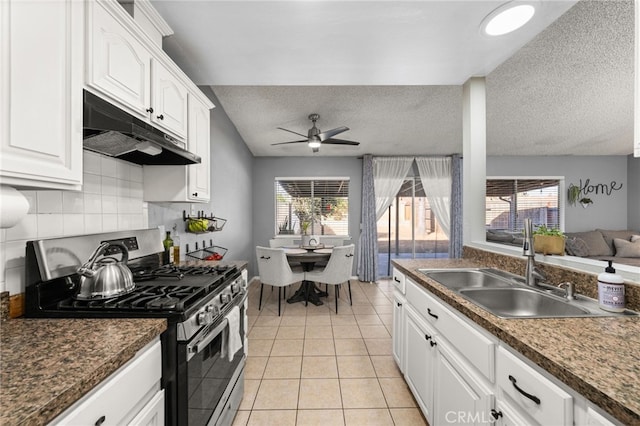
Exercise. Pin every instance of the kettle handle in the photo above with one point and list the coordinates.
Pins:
(87, 268)
(124, 250)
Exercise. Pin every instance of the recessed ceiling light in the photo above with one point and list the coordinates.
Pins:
(507, 18)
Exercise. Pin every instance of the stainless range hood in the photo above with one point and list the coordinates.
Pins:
(111, 131)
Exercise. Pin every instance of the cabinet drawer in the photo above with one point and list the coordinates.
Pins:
(120, 396)
(533, 393)
(474, 345)
(398, 280)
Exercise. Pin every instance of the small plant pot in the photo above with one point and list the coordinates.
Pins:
(548, 244)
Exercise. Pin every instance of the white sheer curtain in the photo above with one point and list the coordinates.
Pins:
(388, 175)
(435, 174)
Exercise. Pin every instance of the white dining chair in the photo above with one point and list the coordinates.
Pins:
(337, 271)
(274, 270)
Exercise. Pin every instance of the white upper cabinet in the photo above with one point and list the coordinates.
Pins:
(199, 142)
(169, 100)
(126, 68)
(41, 53)
(118, 65)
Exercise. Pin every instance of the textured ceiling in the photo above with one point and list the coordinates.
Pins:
(568, 90)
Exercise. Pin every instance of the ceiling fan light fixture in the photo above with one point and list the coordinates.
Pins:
(508, 18)
(314, 143)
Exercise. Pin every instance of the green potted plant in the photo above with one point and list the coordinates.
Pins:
(283, 228)
(548, 240)
(585, 202)
(573, 193)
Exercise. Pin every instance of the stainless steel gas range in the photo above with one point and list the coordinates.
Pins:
(204, 346)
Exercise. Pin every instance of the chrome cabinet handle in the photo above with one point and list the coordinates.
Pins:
(528, 395)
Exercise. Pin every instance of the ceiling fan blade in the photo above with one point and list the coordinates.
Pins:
(329, 133)
(333, 141)
(284, 143)
(291, 131)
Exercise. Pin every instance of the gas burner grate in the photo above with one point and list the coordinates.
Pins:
(144, 298)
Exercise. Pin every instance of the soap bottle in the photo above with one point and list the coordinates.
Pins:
(168, 249)
(611, 290)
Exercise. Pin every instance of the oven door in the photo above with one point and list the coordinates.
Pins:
(209, 375)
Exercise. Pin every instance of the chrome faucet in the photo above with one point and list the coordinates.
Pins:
(570, 291)
(532, 274)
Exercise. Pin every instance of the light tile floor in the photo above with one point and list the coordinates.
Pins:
(311, 366)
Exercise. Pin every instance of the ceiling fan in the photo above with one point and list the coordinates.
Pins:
(316, 138)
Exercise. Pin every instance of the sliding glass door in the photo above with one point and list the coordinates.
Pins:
(409, 229)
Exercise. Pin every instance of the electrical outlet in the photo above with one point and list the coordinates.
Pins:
(192, 211)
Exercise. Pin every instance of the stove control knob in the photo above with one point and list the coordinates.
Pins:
(235, 288)
(225, 298)
(204, 318)
(210, 308)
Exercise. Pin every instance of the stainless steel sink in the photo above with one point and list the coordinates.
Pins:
(521, 303)
(457, 279)
(505, 295)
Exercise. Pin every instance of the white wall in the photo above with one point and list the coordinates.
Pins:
(110, 200)
(607, 211)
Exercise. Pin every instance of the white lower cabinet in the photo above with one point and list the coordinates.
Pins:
(460, 374)
(131, 395)
(398, 329)
(420, 359)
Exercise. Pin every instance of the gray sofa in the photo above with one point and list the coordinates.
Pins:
(603, 244)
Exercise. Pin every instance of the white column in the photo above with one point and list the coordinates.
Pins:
(474, 171)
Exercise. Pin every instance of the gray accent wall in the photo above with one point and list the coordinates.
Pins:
(266, 169)
(231, 195)
(633, 201)
(607, 212)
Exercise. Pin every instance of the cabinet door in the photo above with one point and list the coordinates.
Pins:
(41, 146)
(169, 101)
(398, 328)
(460, 397)
(118, 66)
(152, 414)
(419, 360)
(199, 175)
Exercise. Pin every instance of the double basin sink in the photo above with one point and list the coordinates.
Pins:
(506, 295)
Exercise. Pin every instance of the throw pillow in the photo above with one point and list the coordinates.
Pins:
(576, 247)
(609, 235)
(626, 248)
(595, 241)
(635, 238)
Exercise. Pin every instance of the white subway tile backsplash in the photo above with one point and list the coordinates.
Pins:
(50, 225)
(49, 201)
(109, 222)
(110, 200)
(14, 280)
(26, 229)
(32, 199)
(73, 224)
(136, 174)
(91, 184)
(109, 204)
(123, 170)
(92, 203)
(92, 223)
(91, 163)
(123, 188)
(109, 186)
(14, 254)
(72, 202)
(108, 166)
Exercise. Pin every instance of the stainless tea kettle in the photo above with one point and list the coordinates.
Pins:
(107, 277)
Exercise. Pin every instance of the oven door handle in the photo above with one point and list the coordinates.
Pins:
(201, 344)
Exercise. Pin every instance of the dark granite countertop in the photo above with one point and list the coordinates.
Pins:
(48, 364)
(597, 357)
